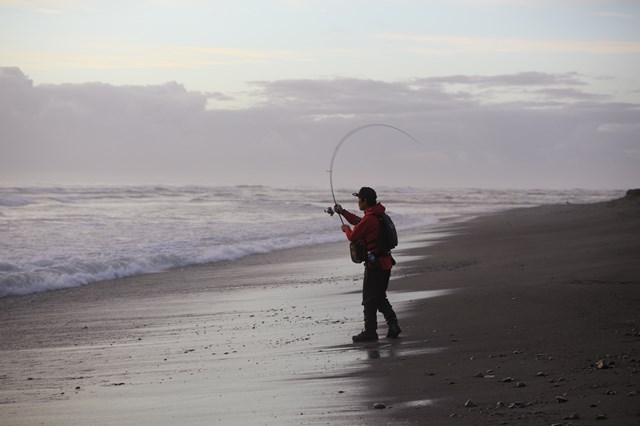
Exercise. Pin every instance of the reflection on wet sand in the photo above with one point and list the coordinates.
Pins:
(241, 343)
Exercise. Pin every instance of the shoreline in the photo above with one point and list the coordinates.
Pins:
(266, 339)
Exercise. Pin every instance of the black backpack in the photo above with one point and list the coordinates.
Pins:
(388, 236)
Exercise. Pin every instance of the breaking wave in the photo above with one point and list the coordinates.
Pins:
(60, 237)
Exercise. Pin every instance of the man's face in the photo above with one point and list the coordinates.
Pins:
(362, 204)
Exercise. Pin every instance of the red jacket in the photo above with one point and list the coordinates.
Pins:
(368, 229)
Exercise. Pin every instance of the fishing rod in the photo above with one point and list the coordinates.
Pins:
(330, 210)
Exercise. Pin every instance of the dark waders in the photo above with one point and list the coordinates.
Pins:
(374, 299)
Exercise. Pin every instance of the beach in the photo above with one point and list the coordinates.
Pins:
(527, 316)
(543, 328)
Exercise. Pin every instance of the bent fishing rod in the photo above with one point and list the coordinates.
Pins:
(330, 210)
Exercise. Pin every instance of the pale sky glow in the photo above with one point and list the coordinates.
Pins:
(448, 45)
(507, 93)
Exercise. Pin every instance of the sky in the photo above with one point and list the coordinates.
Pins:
(499, 93)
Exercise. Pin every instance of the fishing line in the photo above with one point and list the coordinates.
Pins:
(342, 141)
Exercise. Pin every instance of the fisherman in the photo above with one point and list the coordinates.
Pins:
(377, 267)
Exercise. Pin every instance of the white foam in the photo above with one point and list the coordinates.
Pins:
(59, 237)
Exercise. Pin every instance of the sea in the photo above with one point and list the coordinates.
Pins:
(54, 237)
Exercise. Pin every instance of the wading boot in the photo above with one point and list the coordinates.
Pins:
(366, 336)
(392, 321)
(394, 331)
(369, 334)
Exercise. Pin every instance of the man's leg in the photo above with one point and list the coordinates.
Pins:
(370, 293)
(385, 307)
(391, 318)
(370, 325)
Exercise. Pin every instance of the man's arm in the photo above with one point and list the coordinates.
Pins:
(363, 228)
(351, 218)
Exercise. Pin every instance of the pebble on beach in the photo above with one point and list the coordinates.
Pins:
(379, 406)
(516, 404)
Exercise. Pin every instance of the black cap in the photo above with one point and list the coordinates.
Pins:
(368, 194)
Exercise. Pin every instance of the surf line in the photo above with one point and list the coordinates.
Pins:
(342, 141)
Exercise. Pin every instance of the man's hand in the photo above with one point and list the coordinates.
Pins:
(338, 208)
(345, 227)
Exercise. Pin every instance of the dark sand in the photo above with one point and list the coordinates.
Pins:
(543, 295)
(266, 340)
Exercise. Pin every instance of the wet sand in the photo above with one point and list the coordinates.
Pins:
(264, 340)
(514, 308)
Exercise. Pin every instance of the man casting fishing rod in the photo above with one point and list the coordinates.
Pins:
(377, 265)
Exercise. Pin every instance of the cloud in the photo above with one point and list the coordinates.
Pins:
(518, 79)
(165, 133)
(532, 87)
(352, 96)
(569, 94)
(333, 98)
(219, 96)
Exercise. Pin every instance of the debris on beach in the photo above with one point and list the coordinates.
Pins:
(470, 404)
(561, 399)
(602, 364)
(379, 406)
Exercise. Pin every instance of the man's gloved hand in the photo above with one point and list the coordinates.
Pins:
(338, 208)
(345, 227)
